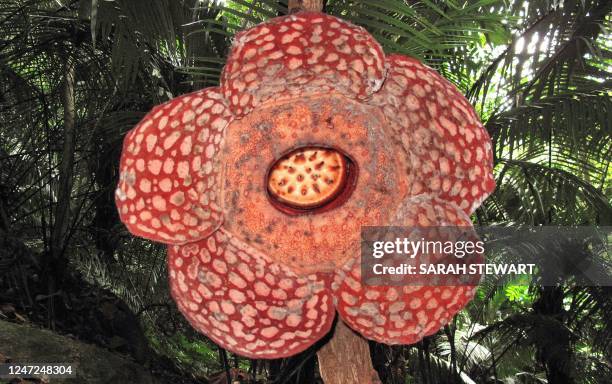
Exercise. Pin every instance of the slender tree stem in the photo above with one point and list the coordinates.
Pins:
(57, 264)
(66, 170)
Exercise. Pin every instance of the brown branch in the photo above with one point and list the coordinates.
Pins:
(305, 5)
(345, 359)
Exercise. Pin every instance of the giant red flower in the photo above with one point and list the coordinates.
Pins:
(261, 186)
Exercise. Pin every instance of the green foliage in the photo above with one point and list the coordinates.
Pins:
(519, 294)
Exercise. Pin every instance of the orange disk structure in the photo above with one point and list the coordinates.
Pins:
(308, 178)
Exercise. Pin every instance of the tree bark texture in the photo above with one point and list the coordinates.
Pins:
(345, 359)
(305, 5)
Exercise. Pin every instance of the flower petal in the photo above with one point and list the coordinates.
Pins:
(234, 295)
(403, 314)
(299, 55)
(168, 186)
(449, 150)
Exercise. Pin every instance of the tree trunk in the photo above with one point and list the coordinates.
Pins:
(66, 166)
(305, 5)
(346, 359)
(55, 262)
(555, 348)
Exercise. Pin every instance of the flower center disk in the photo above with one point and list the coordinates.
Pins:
(308, 178)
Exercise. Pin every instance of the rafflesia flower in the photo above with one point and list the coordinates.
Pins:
(260, 186)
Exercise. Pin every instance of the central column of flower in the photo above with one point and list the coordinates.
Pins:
(310, 179)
